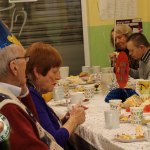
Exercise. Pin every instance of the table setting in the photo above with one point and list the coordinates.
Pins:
(113, 121)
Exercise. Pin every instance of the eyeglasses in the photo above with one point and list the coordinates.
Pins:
(25, 57)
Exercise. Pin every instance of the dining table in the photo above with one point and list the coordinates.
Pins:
(94, 132)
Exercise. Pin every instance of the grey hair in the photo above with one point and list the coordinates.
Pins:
(7, 54)
(123, 29)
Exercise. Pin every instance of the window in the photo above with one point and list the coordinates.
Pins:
(57, 22)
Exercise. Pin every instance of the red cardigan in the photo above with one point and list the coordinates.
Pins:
(23, 132)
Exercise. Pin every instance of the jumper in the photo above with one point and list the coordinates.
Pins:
(48, 119)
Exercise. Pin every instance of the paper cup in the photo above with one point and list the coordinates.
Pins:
(115, 105)
(136, 115)
(96, 69)
(111, 119)
(86, 69)
(89, 91)
(65, 84)
(58, 93)
(64, 72)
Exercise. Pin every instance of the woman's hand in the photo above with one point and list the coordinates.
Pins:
(67, 115)
(77, 117)
(113, 57)
(78, 114)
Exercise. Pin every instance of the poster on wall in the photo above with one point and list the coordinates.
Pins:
(135, 24)
(117, 9)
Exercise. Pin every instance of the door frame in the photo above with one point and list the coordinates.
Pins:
(85, 32)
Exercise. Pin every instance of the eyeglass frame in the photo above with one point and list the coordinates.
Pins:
(27, 58)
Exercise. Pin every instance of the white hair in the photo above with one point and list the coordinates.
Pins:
(7, 54)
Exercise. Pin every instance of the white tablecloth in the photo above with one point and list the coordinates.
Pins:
(93, 129)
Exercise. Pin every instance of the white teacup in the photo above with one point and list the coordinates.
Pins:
(111, 119)
(76, 97)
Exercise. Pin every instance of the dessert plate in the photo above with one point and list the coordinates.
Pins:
(128, 138)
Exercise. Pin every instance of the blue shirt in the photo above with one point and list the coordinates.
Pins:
(48, 119)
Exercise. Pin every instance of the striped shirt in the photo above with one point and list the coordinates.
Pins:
(146, 56)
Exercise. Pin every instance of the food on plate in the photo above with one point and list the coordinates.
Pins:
(80, 88)
(84, 74)
(145, 102)
(75, 80)
(139, 132)
(145, 97)
(146, 119)
(124, 118)
(143, 86)
(125, 136)
(132, 101)
(138, 136)
(90, 79)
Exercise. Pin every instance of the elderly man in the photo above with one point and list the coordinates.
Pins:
(139, 49)
(25, 131)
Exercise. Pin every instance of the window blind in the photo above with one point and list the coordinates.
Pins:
(58, 22)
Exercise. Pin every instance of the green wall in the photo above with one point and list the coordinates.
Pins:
(100, 45)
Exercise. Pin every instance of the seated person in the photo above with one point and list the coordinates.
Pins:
(119, 36)
(139, 49)
(26, 133)
(43, 73)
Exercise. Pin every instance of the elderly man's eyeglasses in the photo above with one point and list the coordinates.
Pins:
(25, 57)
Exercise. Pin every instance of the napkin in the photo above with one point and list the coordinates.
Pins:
(119, 93)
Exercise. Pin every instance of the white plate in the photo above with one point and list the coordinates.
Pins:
(87, 83)
(132, 139)
(129, 141)
(146, 113)
(72, 85)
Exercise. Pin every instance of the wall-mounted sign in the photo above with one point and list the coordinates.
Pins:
(135, 24)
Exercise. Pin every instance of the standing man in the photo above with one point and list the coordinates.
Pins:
(139, 49)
